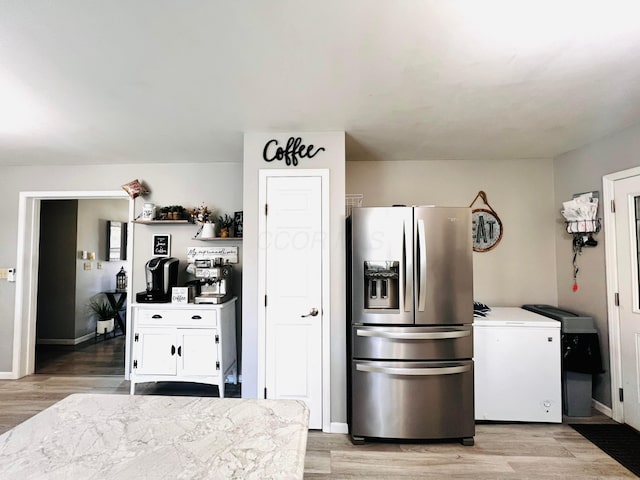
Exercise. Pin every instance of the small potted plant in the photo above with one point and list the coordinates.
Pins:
(225, 222)
(164, 213)
(177, 212)
(105, 313)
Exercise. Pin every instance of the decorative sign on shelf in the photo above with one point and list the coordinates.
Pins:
(179, 295)
(486, 226)
(290, 153)
(237, 222)
(226, 253)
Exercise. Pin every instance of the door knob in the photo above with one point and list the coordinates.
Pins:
(312, 313)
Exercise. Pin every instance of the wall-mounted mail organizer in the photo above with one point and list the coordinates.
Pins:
(582, 223)
(583, 226)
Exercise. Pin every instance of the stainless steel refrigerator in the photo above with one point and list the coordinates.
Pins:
(411, 312)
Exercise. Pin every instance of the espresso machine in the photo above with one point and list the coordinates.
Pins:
(161, 275)
(214, 278)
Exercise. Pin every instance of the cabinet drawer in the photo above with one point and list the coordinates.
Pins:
(192, 317)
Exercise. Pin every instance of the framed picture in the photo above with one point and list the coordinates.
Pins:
(237, 224)
(162, 245)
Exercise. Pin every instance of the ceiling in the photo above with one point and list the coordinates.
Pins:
(89, 82)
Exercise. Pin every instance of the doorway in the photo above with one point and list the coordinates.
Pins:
(67, 339)
(622, 224)
(28, 264)
(293, 267)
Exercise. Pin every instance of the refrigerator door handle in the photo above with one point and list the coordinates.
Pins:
(413, 371)
(422, 268)
(407, 273)
(414, 336)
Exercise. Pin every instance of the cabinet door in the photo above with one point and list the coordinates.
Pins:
(155, 351)
(198, 353)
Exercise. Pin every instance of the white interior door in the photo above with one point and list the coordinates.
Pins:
(293, 287)
(627, 220)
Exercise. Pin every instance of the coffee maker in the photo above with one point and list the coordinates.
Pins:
(161, 274)
(214, 280)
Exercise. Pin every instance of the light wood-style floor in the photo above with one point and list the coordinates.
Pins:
(501, 451)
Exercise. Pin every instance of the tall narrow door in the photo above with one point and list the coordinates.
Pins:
(444, 265)
(627, 215)
(293, 286)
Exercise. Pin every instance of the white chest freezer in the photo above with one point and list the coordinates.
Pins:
(517, 366)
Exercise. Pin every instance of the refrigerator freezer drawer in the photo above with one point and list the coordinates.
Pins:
(412, 400)
(412, 343)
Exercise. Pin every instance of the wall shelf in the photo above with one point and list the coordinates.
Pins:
(163, 222)
(216, 239)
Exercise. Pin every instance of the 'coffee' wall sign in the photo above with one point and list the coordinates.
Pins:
(290, 153)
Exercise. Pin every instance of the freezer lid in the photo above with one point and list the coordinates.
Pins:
(516, 317)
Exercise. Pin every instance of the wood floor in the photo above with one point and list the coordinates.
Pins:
(501, 451)
(102, 357)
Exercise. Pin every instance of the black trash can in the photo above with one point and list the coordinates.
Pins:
(581, 357)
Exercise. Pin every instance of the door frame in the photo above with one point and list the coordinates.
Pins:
(27, 264)
(264, 174)
(611, 268)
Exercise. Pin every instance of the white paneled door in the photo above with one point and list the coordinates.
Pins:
(293, 246)
(627, 220)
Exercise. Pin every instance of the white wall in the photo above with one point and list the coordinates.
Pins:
(92, 231)
(332, 159)
(521, 268)
(217, 184)
(579, 171)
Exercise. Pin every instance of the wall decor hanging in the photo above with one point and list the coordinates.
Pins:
(136, 188)
(582, 222)
(161, 245)
(486, 226)
(290, 153)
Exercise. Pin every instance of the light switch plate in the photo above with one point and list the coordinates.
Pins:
(4, 272)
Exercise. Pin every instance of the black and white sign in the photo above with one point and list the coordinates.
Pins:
(179, 295)
(237, 222)
(229, 254)
(162, 245)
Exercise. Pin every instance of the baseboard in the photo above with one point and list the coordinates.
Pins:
(7, 376)
(337, 427)
(602, 408)
(65, 341)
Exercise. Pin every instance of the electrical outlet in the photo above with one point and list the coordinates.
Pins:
(99, 265)
(4, 272)
(87, 265)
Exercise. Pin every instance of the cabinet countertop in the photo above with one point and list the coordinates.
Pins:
(184, 306)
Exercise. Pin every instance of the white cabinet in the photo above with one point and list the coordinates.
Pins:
(189, 343)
